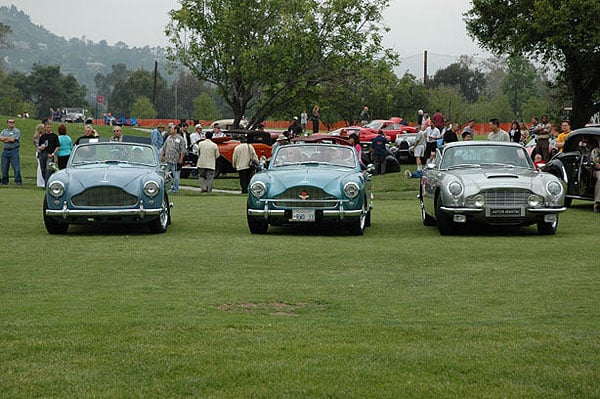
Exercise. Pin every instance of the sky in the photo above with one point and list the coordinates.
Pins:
(415, 26)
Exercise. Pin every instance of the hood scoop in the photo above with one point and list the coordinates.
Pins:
(502, 176)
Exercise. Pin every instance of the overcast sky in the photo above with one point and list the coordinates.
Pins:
(415, 25)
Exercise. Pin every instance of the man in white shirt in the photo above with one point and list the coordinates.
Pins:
(216, 133)
(197, 135)
(496, 133)
(432, 135)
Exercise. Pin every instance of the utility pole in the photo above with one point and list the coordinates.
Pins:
(425, 79)
(154, 87)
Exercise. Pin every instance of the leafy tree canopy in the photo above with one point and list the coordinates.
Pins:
(563, 34)
(263, 55)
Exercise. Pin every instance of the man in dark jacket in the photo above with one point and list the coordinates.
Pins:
(379, 148)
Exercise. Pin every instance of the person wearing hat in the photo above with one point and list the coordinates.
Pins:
(156, 137)
(197, 135)
(281, 140)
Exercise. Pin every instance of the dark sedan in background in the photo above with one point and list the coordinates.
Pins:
(578, 163)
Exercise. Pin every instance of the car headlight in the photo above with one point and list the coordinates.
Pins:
(554, 188)
(351, 190)
(479, 200)
(258, 189)
(56, 189)
(151, 188)
(455, 188)
(535, 200)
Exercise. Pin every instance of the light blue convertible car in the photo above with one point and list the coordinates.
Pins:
(108, 183)
(311, 183)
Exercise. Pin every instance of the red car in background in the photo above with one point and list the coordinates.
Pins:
(391, 128)
(261, 141)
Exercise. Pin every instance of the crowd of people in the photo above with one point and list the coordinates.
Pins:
(173, 142)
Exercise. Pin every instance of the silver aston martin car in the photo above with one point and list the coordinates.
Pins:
(489, 182)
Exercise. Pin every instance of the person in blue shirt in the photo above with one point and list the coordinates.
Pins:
(65, 146)
(157, 138)
(11, 140)
(379, 148)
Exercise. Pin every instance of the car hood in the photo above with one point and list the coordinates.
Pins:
(328, 178)
(476, 180)
(126, 177)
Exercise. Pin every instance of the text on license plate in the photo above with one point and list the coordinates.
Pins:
(505, 212)
(303, 215)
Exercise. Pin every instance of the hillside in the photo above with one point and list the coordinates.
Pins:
(31, 43)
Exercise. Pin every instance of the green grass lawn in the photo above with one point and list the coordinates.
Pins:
(209, 310)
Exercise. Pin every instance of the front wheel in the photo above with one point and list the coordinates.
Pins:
(547, 228)
(357, 227)
(445, 224)
(257, 226)
(52, 226)
(427, 219)
(161, 223)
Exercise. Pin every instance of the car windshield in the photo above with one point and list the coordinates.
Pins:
(582, 143)
(113, 152)
(295, 154)
(374, 125)
(482, 155)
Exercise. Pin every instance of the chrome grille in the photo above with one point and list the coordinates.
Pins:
(104, 196)
(305, 197)
(504, 197)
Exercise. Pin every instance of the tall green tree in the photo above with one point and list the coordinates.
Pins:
(263, 55)
(563, 34)
(205, 108)
(47, 87)
(520, 83)
(140, 83)
(142, 108)
(470, 81)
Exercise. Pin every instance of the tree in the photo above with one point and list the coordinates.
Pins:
(12, 101)
(188, 88)
(563, 34)
(520, 83)
(469, 81)
(4, 32)
(264, 55)
(142, 108)
(205, 108)
(47, 87)
(137, 84)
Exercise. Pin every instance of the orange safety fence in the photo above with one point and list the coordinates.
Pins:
(479, 128)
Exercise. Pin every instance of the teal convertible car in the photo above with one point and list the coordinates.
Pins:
(311, 183)
(108, 183)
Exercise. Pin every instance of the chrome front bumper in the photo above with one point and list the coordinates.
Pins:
(449, 209)
(140, 212)
(338, 212)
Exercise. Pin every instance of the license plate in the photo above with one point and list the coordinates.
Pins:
(499, 212)
(303, 215)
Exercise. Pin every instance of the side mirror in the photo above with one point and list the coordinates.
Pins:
(430, 164)
(370, 169)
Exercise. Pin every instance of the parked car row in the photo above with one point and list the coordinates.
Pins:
(320, 180)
